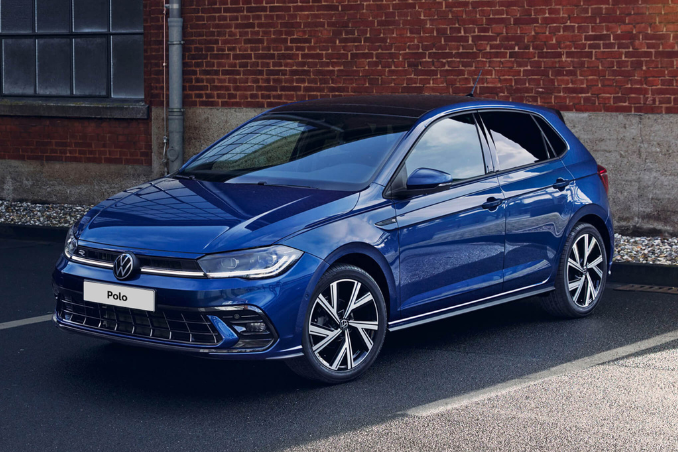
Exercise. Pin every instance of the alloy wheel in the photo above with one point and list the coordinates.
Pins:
(343, 324)
(585, 270)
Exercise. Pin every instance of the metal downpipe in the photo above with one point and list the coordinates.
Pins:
(175, 153)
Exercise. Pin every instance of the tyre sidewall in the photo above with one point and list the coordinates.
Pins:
(580, 230)
(345, 272)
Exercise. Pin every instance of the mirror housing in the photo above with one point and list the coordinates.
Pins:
(423, 178)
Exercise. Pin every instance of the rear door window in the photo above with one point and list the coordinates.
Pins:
(517, 138)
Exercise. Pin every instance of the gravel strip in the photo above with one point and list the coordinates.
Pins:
(646, 250)
(41, 214)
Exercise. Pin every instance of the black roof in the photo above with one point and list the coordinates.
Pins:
(411, 105)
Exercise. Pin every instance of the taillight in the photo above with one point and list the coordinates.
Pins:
(602, 172)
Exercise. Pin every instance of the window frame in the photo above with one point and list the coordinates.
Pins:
(391, 192)
(72, 35)
(548, 124)
(549, 149)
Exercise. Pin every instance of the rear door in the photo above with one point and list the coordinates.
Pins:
(451, 239)
(538, 190)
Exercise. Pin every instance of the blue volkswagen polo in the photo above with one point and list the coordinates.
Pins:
(310, 231)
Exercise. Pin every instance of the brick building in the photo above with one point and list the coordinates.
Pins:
(97, 125)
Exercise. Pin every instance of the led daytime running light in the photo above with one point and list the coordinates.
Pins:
(261, 273)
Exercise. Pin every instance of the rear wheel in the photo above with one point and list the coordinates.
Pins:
(344, 328)
(582, 274)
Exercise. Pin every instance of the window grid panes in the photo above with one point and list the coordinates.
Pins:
(72, 48)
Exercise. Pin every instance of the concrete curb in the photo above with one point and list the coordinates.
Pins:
(26, 232)
(648, 274)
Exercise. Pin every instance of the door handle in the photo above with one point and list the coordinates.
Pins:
(561, 184)
(492, 204)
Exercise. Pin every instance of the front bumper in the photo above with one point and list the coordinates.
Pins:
(281, 301)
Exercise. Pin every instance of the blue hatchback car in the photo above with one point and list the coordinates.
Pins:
(310, 231)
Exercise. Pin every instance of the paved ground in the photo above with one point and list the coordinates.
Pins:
(507, 378)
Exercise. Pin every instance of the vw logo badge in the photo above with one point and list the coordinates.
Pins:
(124, 265)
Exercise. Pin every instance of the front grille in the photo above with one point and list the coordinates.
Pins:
(156, 262)
(97, 255)
(166, 263)
(169, 326)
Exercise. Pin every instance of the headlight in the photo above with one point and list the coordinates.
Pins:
(256, 263)
(71, 243)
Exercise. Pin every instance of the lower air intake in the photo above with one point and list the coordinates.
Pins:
(180, 327)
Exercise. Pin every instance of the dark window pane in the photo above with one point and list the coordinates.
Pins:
(18, 63)
(90, 76)
(53, 16)
(127, 61)
(127, 15)
(54, 67)
(450, 145)
(16, 16)
(516, 137)
(90, 15)
(559, 146)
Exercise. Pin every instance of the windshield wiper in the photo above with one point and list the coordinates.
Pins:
(182, 176)
(284, 185)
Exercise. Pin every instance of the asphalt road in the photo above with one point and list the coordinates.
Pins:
(66, 392)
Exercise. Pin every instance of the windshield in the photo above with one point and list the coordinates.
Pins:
(333, 151)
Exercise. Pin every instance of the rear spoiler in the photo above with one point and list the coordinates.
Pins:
(558, 113)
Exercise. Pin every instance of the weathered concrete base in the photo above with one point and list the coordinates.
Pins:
(71, 183)
(640, 153)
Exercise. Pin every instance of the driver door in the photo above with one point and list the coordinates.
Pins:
(451, 238)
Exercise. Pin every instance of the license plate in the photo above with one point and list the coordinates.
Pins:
(123, 296)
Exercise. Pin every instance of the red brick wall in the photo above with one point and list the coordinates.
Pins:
(582, 55)
(75, 140)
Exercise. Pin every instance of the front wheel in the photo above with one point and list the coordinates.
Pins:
(582, 274)
(344, 328)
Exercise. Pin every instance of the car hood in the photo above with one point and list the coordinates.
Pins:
(194, 216)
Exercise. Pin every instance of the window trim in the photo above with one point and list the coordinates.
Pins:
(388, 192)
(498, 171)
(74, 108)
(548, 124)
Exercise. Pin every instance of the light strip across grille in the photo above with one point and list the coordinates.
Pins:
(152, 265)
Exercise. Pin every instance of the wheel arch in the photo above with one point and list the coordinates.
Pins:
(374, 263)
(595, 216)
(599, 224)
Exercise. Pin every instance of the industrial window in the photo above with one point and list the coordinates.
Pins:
(72, 48)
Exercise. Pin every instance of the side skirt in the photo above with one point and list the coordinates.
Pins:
(475, 305)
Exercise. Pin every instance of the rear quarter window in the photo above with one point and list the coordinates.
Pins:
(558, 145)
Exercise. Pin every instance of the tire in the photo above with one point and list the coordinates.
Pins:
(329, 338)
(578, 273)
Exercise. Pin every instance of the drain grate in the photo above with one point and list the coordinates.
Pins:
(646, 288)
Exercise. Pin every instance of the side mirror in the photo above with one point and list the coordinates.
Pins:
(423, 178)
